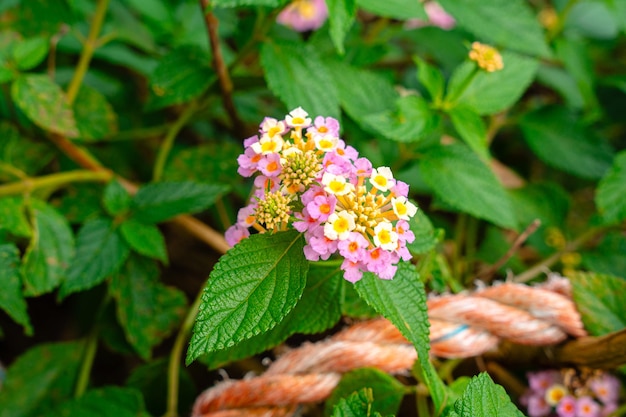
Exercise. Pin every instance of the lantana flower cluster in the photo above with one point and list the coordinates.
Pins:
(567, 394)
(306, 177)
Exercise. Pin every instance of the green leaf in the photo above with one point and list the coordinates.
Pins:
(461, 179)
(144, 238)
(29, 53)
(34, 385)
(592, 20)
(182, 75)
(341, 14)
(397, 9)
(296, 74)
(402, 301)
(11, 298)
(425, 237)
(408, 120)
(115, 198)
(493, 92)
(104, 402)
(557, 137)
(12, 216)
(562, 82)
(251, 289)
(484, 398)
(22, 153)
(431, 78)
(611, 193)
(387, 391)
(237, 3)
(509, 23)
(353, 306)
(358, 404)
(50, 251)
(199, 164)
(147, 310)
(100, 251)
(160, 201)
(95, 117)
(318, 310)
(44, 103)
(471, 128)
(600, 300)
(608, 257)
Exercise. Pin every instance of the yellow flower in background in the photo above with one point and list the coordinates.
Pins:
(487, 57)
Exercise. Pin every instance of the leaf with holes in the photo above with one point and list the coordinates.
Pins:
(251, 289)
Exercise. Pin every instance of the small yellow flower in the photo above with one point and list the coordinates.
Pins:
(571, 259)
(487, 57)
(555, 238)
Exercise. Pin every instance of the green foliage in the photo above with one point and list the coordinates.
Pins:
(105, 402)
(357, 404)
(483, 398)
(11, 298)
(95, 118)
(611, 195)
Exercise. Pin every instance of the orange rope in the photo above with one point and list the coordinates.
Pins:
(461, 326)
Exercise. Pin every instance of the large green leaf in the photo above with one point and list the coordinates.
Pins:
(409, 120)
(104, 402)
(608, 257)
(183, 74)
(236, 3)
(461, 179)
(12, 216)
(471, 129)
(25, 154)
(611, 194)
(50, 251)
(493, 92)
(100, 251)
(357, 404)
(11, 298)
(39, 379)
(29, 53)
(147, 310)
(402, 301)
(160, 201)
(509, 23)
(387, 391)
(341, 14)
(600, 299)
(145, 238)
(295, 72)
(484, 398)
(398, 9)
(318, 310)
(95, 117)
(557, 137)
(44, 103)
(251, 289)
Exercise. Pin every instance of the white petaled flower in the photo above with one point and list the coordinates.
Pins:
(382, 178)
(403, 208)
(273, 127)
(336, 184)
(298, 118)
(267, 144)
(326, 143)
(339, 225)
(385, 237)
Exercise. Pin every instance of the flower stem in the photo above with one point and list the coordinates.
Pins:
(54, 181)
(89, 354)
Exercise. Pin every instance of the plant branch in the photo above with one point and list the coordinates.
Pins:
(28, 185)
(226, 84)
(89, 354)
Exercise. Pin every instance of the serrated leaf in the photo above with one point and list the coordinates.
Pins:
(386, 390)
(296, 74)
(408, 120)
(160, 201)
(319, 309)
(608, 257)
(557, 137)
(12, 216)
(484, 398)
(182, 75)
(251, 289)
(44, 103)
(397, 9)
(80, 202)
(600, 299)
(358, 404)
(493, 92)
(425, 237)
(402, 301)
(147, 310)
(95, 117)
(29, 53)
(104, 402)
(341, 14)
(471, 128)
(100, 251)
(431, 78)
(146, 239)
(352, 305)
(520, 30)
(11, 298)
(33, 386)
(461, 179)
(115, 198)
(611, 193)
(50, 251)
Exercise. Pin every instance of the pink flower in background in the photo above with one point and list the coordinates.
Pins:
(587, 407)
(303, 15)
(437, 16)
(566, 407)
(606, 388)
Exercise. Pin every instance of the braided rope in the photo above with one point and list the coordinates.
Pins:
(461, 325)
